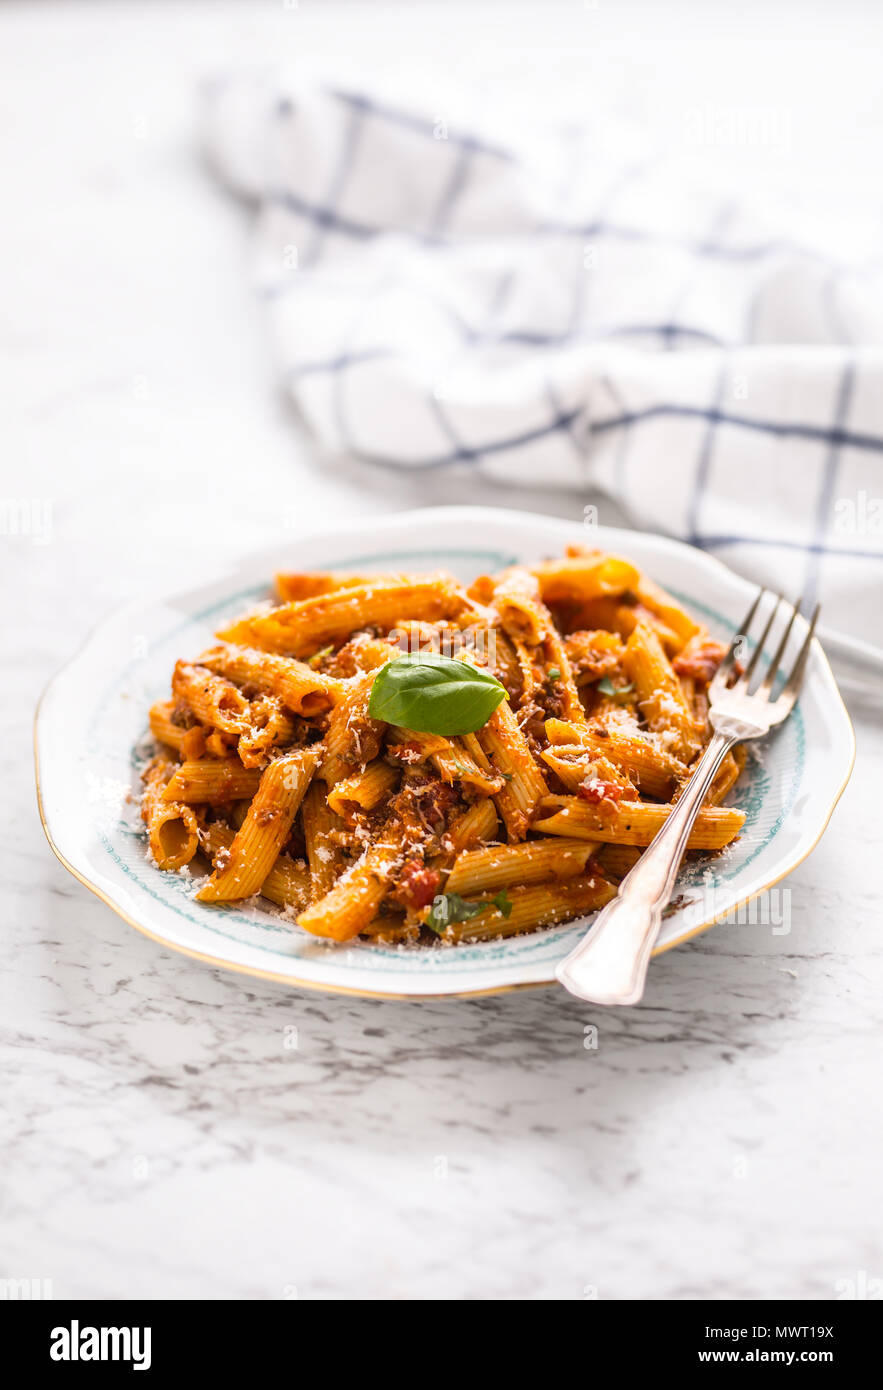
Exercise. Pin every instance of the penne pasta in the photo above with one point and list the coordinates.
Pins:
(530, 671)
(365, 790)
(391, 930)
(269, 729)
(266, 827)
(627, 617)
(172, 829)
(352, 903)
(301, 627)
(218, 744)
(660, 697)
(448, 755)
(560, 672)
(634, 822)
(322, 828)
(522, 613)
(654, 771)
(503, 663)
(727, 776)
(617, 860)
(294, 587)
(362, 653)
(213, 781)
(510, 755)
(352, 738)
(666, 609)
(541, 904)
(163, 726)
(585, 771)
(581, 577)
(212, 699)
(540, 650)
(533, 861)
(479, 824)
(288, 882)
(508, 813)
(303, 690)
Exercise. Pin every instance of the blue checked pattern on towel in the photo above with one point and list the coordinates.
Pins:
(546, 313)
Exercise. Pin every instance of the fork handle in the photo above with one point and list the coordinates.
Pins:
(609, 966)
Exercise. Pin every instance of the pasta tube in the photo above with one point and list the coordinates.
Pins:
(213, 781)
(266, 827)
(533, 861)
(635, 822)
(172, 830)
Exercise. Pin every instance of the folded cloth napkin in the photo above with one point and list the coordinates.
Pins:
(544, 312)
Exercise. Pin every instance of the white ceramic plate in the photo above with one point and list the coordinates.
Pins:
(94, 714)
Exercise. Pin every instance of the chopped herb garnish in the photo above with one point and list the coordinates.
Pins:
(503, 902)
(450, 907)
(321, 655)
(554, 673)
(619, 693)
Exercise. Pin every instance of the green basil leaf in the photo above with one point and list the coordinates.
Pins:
(434, 694)
(554, 673)
(450, 907)
(503, 903)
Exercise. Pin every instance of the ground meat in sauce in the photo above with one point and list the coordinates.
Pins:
(700, 663)
(555, 702)
(182, 717)
(417, 885)
(436, 800)
(296, 844)
(532, 722)
(422, 808)
(365, 736)
(593, 655)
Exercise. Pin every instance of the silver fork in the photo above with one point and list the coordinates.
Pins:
(609, 966)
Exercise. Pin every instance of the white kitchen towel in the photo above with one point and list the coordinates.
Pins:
(553, 311)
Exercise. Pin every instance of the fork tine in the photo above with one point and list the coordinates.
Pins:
(769, 679)
(726, 665)
(791, 688)
(743, 682)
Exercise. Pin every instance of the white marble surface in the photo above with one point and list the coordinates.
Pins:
(159, 1137)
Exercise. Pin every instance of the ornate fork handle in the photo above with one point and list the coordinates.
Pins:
(609, 966)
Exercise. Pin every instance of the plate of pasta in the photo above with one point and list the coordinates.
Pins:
(414, 758)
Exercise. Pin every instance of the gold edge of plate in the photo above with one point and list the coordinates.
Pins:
(297, 983)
